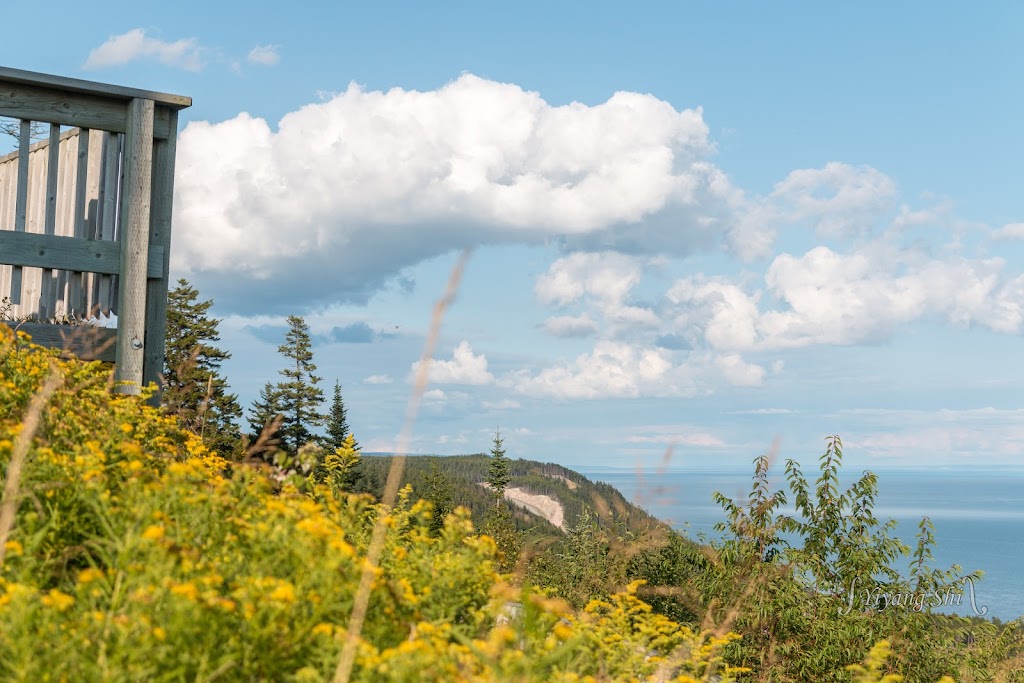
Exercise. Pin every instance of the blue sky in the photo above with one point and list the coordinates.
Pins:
(706, 225)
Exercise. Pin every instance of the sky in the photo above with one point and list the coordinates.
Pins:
(695, 228)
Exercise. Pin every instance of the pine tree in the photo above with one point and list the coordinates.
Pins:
(438, 490)
(193, 389)
(299, 396)
(498, 474)
(263, 411)
(337, 421)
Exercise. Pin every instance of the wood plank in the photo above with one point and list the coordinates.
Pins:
(47, 307)
(72, 253)
(68, 109)
(104, 295)
(134, 238)
(52, 171)
(159, 238)
(84, 341)
(78, 85)
(77, 303)
(21, 201)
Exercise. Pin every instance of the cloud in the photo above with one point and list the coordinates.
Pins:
(607, 277)
(388, 179)
(570, 326)
(464, 368)
(688, 438)
(136, 45)
(839, 199)
(612, 369)
(738, 372)
(355, 333)
(378, 379)
(835, 298)
(1010, 231)
(264, 55)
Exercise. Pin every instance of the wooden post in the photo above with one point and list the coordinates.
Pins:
(160, 236)
(134, 239)
(21, 201)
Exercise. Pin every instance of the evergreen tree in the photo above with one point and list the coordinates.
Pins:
(337, 421)
(299, 396)
(193, 389)
(501, 527)
(263, 411)
(438, 490)
(498, 474)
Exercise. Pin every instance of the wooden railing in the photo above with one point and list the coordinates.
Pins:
(85, 217)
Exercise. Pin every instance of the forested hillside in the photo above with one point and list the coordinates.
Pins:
(462, 475)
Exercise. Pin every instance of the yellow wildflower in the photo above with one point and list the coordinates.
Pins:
(89, 575)
(323, 629)
(58, 600)
(283, 593)
(186, 590)
(154, 532)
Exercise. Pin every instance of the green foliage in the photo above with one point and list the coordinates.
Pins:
(499, 525)
(136, 553)
(498, 475)
(336, 422)
(193, 388)
(795, 587)
(298, 396)
(263, 413)
(437, 490)
(340, 468)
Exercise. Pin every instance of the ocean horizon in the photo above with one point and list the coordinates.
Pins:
(978, 516)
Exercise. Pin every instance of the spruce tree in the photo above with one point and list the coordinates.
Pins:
(337, 421)
(438, 490)
(498, 474)
(193, 388)
(299, 396)
(263, 411)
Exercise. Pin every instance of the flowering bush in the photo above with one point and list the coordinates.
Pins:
(134, 553)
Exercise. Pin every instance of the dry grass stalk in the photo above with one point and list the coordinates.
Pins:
(362, 598)
(22, 442)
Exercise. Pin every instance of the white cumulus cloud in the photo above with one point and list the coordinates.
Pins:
(136, 45)
(387, 179)
(465, 367)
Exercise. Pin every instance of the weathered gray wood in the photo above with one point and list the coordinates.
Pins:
(47, 294)
(108, 199)
(83, 110)
(77, 303)
(85, 186)
(159, 238)
(76, 85)
(21, 201)
(84, 341)
(72, 253)
(52, 165)
(134, 239)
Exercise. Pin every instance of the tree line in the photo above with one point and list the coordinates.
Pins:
(287, 416)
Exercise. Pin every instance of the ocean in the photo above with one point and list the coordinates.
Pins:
(978, 517)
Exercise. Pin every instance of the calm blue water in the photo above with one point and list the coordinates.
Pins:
(978, 517)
